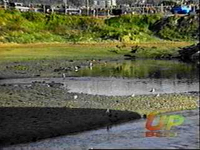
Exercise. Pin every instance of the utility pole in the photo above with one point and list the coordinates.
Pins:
(52, 9)
(162, 9)
(5, 3)
(88, 7)
(44, 8)
(65, 3)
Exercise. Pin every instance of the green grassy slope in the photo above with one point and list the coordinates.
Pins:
(29, 27)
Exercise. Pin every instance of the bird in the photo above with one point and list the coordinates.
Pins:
(157, 95)
(91, 64)
(28, 86)
(75, 96)
(152, 90)
(133, 95)
(76, 68)
(64, 75)
(107, 111)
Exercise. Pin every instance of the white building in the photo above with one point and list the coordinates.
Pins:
(20, 6)
(104, 3)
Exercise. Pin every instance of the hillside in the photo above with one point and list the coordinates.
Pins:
(31, 27)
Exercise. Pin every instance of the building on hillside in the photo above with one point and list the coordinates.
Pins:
(104, 3)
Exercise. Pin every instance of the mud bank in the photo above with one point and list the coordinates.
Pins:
(30, 124)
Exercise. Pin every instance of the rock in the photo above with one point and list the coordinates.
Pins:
(195, 56)
(190, 53)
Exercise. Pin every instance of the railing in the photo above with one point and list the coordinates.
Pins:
(145, 9)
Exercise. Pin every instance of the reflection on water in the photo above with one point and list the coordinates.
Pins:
(136, 77)
(122, 87)
(157, 69)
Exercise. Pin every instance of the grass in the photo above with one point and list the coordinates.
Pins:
(28, 35)
(24, 52)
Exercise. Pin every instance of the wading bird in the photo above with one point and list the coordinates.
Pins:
(152, 90)
(107, 111)
(64, 75)
(133, 95)
(76, 68)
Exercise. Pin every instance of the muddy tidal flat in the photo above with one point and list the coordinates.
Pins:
(45, 99)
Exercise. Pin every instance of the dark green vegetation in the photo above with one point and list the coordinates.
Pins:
(31, 27)
(176, 28)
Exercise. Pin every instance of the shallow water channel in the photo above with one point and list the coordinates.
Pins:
(135, 77)
(131, 135)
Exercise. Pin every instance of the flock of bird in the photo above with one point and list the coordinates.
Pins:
(76, 69)
(108, 111)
